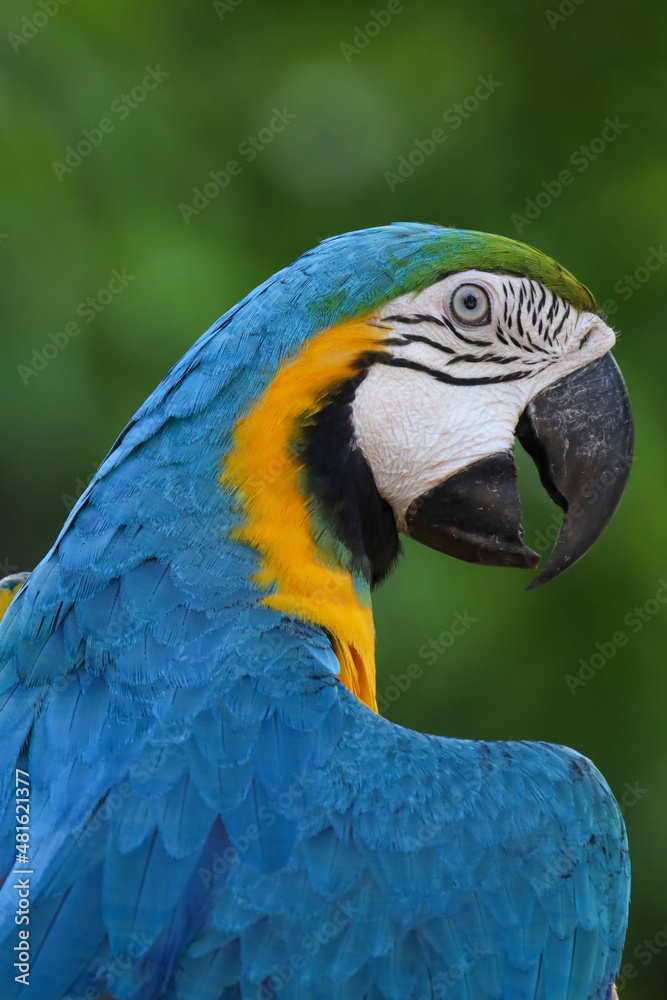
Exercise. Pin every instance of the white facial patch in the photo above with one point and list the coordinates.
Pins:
(453, 390)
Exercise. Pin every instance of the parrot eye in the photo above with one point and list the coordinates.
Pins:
(470, 304)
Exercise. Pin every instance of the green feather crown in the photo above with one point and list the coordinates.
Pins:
(356, 272)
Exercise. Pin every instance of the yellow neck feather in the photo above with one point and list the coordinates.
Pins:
(302, 580)
(7, 593)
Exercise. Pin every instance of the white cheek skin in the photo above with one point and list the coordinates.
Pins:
(415, 431)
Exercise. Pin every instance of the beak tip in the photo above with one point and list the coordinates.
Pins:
(558, 562)
(579, 433)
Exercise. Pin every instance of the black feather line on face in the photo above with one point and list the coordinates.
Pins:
(550, 314)
(339, 479)
(471, 341)
(474, 359)
(416, 318)
(416, 338)
(452, 379)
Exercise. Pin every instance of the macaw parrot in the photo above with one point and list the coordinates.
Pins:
(199, 799)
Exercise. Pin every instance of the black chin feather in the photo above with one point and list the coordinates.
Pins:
(339, 478)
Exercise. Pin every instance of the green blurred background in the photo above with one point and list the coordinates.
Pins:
(360, 101)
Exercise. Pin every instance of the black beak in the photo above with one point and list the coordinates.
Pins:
(474, 515)
(579, 433)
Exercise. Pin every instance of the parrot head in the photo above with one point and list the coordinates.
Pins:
(427, 351)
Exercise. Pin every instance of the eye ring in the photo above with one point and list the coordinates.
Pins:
(470, 304)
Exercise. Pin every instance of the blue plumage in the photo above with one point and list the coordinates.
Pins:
(210, 806)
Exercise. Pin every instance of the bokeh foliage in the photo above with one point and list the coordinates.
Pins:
(562, 69)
